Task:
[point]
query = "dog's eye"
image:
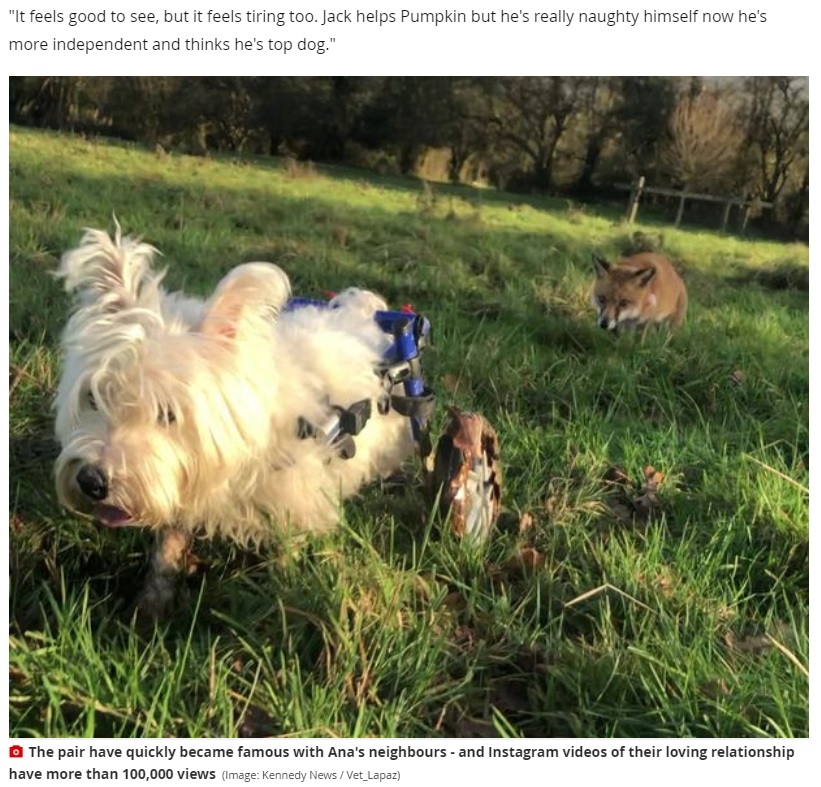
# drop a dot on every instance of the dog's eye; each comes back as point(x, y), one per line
point(92, 402)
point(624, 303)
point(166, 417)
point(602, 300)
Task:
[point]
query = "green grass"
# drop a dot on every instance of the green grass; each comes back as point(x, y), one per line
point(580, 617)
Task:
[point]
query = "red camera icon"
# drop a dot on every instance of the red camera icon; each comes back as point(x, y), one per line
point(15, 751)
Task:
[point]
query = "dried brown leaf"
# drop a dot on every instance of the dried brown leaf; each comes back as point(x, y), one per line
point(652, 478)
point(17, 522)
point(527, 561)
point(666, 581)
point(16, 675)
point(648, 503)
point(713, 689)
point(525, 522)
point(454, 601)
point(751, 644)
point(615, 475)
point(464, 636)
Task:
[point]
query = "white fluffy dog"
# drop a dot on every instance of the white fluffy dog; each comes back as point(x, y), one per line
point(186, 415)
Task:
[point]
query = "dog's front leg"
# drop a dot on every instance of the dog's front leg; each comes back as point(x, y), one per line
point(168, 561)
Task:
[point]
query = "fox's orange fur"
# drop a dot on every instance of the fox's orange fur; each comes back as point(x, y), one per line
point(638, 292)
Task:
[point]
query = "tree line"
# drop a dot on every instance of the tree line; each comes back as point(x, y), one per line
point(578, 136)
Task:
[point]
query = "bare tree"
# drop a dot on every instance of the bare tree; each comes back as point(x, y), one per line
point(531, 114)
point(49, 101)
point(778, 132)
point(704, 139)
point(601, 100)
point(141, 106)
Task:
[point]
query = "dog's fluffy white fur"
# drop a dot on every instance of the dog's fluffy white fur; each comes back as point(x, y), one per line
point(182, 414)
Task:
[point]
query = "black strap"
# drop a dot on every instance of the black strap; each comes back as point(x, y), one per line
point(415, 406)
point(350, 422)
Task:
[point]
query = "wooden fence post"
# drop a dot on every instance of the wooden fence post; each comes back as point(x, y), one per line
point(635, 197)
point(680, 214)
point(746, 219)
point(748, 208)
point(725, 219)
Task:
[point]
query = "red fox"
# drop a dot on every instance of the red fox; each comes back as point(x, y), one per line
point(638, 292)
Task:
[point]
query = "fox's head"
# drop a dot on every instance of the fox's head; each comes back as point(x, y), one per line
point(621, 294)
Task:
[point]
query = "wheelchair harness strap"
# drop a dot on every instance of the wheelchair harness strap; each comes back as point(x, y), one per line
point(401, 366)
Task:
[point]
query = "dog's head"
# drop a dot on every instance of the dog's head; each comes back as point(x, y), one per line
point(160, 395)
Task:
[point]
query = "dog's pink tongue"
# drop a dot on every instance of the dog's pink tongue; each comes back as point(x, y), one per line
point(111, 516)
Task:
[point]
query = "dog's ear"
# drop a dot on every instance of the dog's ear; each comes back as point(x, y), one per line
point(111, 272)
point(251, 292)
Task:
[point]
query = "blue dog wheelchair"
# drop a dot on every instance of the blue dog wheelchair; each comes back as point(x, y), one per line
point(464, 474)
point(402, 380)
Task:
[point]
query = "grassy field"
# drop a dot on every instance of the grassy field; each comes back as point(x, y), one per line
point(606, 604)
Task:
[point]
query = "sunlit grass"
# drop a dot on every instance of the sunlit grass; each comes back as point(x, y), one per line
point(581, 616)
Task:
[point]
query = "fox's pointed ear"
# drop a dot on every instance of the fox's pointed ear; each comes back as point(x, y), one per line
point(601, 266)
point(645, 276)
point(252, 294)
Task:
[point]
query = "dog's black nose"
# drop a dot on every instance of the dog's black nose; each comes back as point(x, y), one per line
point(92, 482)
point(604, 323)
